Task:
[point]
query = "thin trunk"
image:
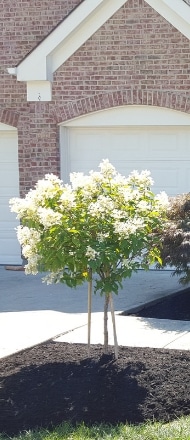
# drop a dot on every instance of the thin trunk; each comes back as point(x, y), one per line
point(89, 309)
point(106, 304)
point(114, 326)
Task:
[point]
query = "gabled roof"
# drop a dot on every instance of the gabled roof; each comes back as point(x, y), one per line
point(38, 67)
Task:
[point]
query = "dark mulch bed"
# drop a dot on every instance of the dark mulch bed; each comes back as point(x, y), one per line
point(56, 382)
point(174, 307)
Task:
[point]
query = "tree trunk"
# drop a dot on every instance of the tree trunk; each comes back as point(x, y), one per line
point(114, 326)
point(89, 309)
point(106, 304)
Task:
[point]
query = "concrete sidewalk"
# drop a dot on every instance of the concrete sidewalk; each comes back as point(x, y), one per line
point(32, 312)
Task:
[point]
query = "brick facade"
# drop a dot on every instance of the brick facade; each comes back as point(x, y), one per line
point(136, 57)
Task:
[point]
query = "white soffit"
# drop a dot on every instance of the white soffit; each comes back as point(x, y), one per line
point(75, 30)
point(131, 115)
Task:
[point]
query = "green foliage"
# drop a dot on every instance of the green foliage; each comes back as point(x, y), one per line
point(102, 223)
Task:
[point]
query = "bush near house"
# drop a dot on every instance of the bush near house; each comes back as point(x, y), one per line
point(175, 240)
point(103, 224)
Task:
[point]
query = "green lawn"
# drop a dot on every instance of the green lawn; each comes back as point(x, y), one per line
point(177, 430)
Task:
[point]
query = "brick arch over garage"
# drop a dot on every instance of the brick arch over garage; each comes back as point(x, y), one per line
point(74, 109)
point(9, 117)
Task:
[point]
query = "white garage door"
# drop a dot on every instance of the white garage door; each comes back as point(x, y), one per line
point(165, 151)
point(9, 187)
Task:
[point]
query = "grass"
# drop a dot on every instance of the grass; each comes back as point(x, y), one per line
point(176, 430)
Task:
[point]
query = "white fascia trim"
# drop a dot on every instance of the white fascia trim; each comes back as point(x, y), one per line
point(76, 29)
point(176, 12)
point(80, 25)
point(60, 44)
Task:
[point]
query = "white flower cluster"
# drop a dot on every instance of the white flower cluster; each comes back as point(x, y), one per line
point(48, 217)
point(129, 227)
point(91, 253)
point(143, 206)
point(28, 238)
point(104, 205)
point(162, 201)
point(22, 206)
point(35, 199)
point(107, 169)
point(101, 237)
point(79, 180)
point(32, 265)
point(53, 277)
point(140, 179)
point(67, 198)
point(48, 186)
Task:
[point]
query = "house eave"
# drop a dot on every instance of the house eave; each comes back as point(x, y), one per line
point(74, 31)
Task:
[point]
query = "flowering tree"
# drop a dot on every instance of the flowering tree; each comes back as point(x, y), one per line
point(102, 225)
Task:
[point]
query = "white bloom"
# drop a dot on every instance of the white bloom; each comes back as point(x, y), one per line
point(101, 237)
point(46, 188)
point(107, 169)
point(120, 181)
point(91, 253)
point(27, 236)
point(67, 198)
point(126, 193)
point(48, 217)
point(53, 179)
point(162, 200)
point(131, 226)
point(140, 179)
point(118, 214)
point(53, 277)
point(79, 180)
point(20, 206)
point(143, 205)
point(32, 266)
point(96, 176)
point(104, 205)
point(49, 185)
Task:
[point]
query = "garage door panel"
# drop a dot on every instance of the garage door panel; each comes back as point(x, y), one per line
point(98, 142)
point(5, 214)
point(8, 250)
point(7, 143)
point(165, 151)
point(9, 187)
point(7, 178)
point(163, 146)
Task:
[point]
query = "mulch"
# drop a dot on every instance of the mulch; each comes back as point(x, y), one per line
point(175, 306)
point(55, 382)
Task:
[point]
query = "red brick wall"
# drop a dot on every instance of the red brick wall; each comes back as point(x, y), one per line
point(136, 47)
point(136, 57)
point(24, 24)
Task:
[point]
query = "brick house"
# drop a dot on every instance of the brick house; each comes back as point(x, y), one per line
point(83, 80)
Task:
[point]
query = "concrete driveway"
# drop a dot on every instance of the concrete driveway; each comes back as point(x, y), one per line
point(32, 312)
